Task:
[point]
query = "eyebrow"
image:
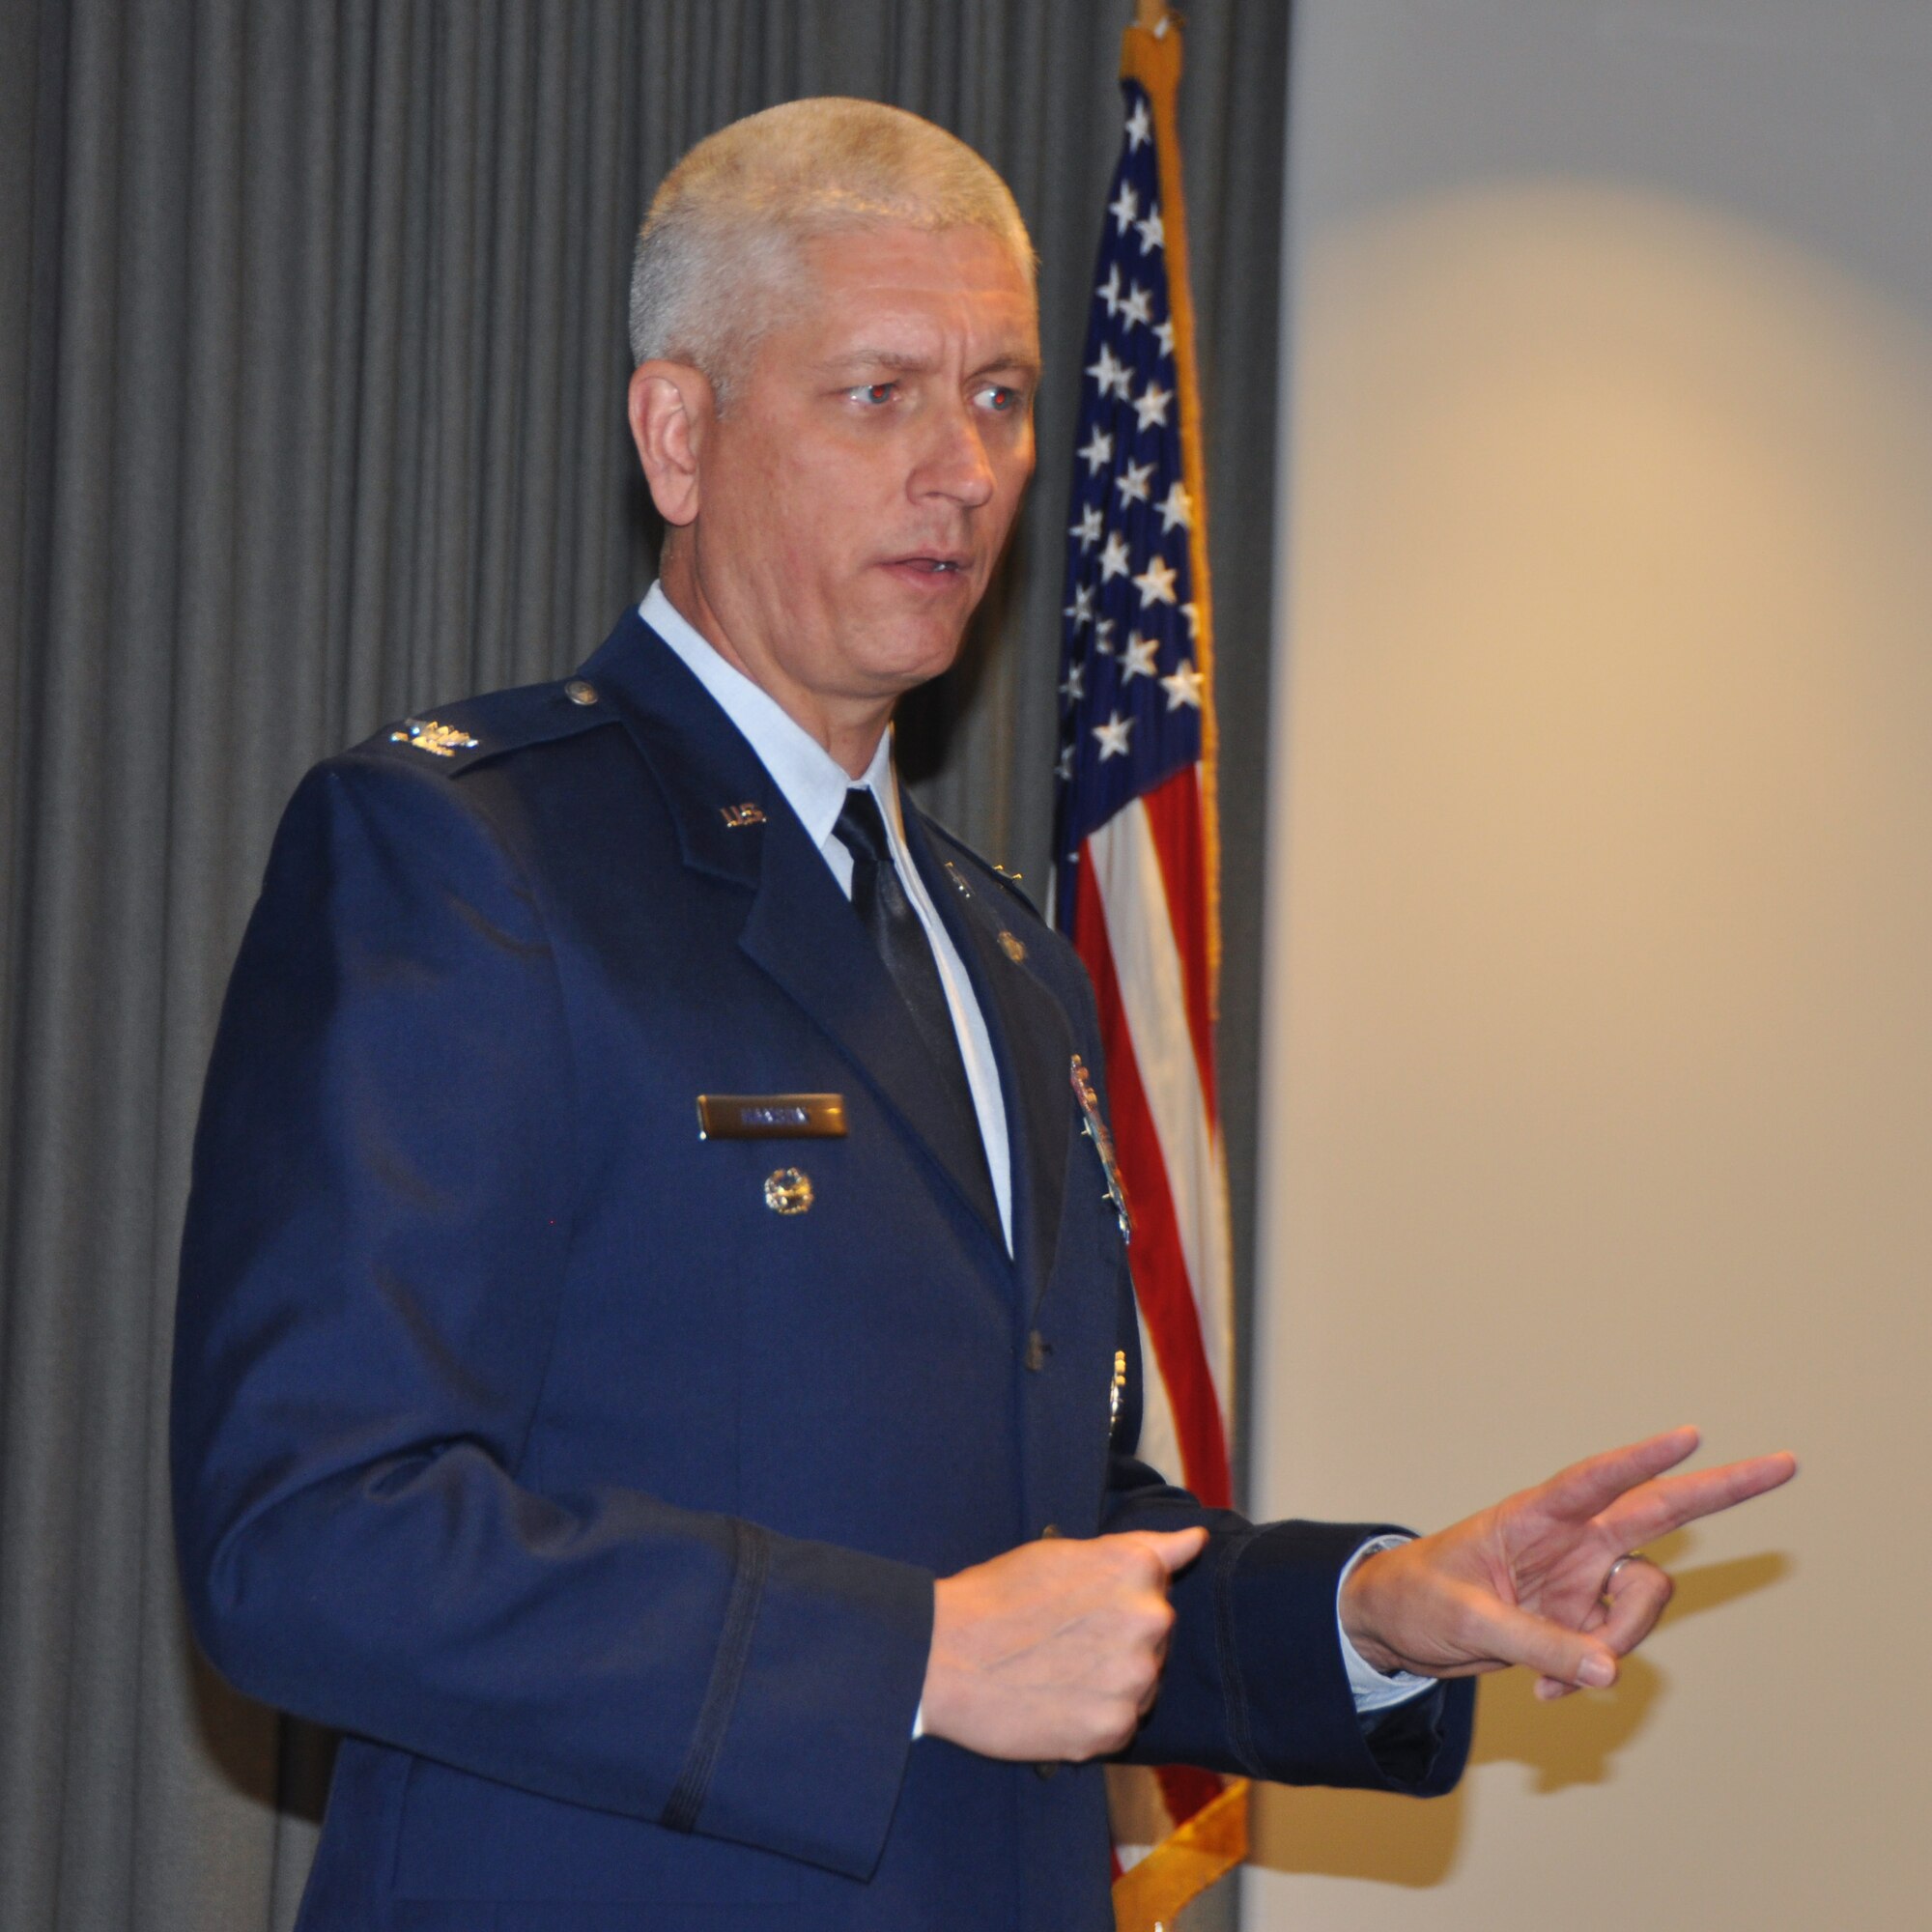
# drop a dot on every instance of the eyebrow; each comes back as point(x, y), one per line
point(881, 358)
point(908, 364)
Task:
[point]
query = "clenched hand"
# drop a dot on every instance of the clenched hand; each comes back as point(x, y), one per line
point(1054, 1650)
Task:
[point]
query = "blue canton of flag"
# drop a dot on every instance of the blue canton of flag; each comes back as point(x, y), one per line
point(1129, 686)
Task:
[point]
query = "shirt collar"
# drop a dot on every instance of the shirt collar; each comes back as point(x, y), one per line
point(814, 783)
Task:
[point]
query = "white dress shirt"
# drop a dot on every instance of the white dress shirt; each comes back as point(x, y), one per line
point(814, 784)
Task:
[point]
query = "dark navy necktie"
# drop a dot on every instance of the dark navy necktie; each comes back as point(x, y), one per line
point(879, 898)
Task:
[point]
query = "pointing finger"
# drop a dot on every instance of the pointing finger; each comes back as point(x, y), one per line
point(1657, 1508)
point(1588, 1487)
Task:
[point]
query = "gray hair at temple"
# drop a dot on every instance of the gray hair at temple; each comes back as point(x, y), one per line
point(719, 247)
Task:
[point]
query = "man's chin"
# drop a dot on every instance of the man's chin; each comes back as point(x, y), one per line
point(900, 653)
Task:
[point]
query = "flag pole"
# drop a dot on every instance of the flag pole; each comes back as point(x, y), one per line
point(1214, 1839)
point(1201, 1851)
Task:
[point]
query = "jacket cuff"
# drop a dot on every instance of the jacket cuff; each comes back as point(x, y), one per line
point(802, 1743)
point(1290, 1707)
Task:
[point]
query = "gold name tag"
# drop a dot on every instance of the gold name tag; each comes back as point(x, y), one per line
point(771, 1117)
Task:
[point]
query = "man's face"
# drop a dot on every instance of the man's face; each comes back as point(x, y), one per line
point(858, 487)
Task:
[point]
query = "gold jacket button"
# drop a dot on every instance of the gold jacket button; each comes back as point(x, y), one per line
point(581, 693)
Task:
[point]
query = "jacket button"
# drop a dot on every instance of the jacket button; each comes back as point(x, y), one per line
point(1049, 1532)
point(581, 693)
point(1044, 1769)
point(1036, 1352)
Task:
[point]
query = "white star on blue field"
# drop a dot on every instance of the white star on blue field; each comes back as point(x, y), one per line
point(1130, 687)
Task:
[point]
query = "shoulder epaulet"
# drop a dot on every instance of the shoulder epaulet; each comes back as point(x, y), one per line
point(453, 737)
point(1011, 881)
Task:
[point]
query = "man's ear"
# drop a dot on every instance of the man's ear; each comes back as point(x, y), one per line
point(671, 412)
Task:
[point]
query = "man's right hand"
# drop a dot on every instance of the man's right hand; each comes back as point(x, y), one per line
point(1053, 1650)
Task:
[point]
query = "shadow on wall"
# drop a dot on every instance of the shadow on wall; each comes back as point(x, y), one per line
point(1576, 1742)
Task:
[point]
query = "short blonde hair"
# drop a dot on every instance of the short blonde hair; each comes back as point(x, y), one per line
point(720, 239)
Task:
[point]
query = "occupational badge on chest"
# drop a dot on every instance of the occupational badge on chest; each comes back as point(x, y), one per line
point(1094, 1126)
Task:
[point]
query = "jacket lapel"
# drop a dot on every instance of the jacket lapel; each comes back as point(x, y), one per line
point(802, 930)
point(799, 928)
point(1032, 1044)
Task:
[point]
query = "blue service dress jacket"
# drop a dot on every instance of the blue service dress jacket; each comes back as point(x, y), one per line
point(519, 1436)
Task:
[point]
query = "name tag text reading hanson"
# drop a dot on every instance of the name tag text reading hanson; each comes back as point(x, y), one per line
point(771, 1117)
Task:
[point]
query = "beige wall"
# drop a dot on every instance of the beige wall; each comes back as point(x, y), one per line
point(1599, 1071)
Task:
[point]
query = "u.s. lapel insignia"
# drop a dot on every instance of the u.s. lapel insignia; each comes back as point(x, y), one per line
point(738, 817)
point(426, 734)
point(1094, 1127)
point(1012, 946)
point(1117, 1391)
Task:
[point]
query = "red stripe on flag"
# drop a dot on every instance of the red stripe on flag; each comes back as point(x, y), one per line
point(1161, 1263)
point(1185, 1790)
point(1173, 814)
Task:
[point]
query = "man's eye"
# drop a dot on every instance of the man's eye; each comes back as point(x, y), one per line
point(1003, 398)
point(874, 395)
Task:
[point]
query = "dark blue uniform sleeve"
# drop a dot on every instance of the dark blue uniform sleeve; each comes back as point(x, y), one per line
point(1255, 1685)
point(375, 1249)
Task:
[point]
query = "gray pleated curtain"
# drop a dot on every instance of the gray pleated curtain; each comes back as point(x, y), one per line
point(311, 413)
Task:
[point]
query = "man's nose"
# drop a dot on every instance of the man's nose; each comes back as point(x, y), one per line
point(955, 464)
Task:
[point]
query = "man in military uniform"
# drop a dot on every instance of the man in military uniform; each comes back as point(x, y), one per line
point(656, 1360)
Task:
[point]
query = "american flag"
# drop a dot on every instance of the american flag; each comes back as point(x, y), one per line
point(1133, 847)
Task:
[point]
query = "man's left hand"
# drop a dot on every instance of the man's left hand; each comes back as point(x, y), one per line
point(1536, 1580)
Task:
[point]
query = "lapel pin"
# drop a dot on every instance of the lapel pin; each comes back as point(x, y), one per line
point(1012, 947)
point(788, 1191)
point(738, 817)
point(1118, 1390)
